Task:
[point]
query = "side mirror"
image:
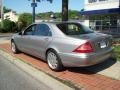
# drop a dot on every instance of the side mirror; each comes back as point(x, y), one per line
point(20, 33)
point(16, 31)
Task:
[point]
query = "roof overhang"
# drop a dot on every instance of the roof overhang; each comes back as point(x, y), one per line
point(102, 11)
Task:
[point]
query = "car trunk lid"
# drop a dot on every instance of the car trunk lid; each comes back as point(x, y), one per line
point(100, 42)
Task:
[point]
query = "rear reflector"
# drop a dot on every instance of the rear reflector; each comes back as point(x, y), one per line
point(84, 48)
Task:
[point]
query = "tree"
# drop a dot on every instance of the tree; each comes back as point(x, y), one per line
point(6, 9)
point(45, 15)
point(64, 9)
point(73, 14)
point(34, 4)
point(24, 20)
point(8, 26)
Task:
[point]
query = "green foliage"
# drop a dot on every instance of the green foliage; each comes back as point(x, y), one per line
point(46, 0)
point(73, 14)
point(7, 26)
point(6, 10)
point(24, 20)
point(58, 15)
point(117, 52)
point(50, 1)
point(45, 15)
point(82, 9)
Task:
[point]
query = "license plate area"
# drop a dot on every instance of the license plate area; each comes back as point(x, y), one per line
point(103, 44)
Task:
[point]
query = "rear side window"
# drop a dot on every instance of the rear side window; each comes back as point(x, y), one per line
point(42, 30)
point(73, 29)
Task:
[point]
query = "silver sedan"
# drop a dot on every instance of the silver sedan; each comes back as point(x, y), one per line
point(63, 44)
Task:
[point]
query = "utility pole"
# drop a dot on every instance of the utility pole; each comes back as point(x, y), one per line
point(65, 10)
point(119, 3)
point(2, 12)
point(33, 5)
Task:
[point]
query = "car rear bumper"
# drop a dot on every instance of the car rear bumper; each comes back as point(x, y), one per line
point(78, 60)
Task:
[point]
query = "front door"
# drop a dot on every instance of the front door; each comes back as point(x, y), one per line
point(42, 37)
point(25, 41)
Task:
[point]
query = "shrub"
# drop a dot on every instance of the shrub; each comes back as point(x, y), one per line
point(7, 26)
point(24, 20)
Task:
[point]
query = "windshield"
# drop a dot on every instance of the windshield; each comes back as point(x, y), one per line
point(74, 29)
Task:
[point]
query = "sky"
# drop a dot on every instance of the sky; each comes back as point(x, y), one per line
point(21, 6)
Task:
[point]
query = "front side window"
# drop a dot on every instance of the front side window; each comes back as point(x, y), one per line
point(42, 30)
point(29, 30)
point(73, 29)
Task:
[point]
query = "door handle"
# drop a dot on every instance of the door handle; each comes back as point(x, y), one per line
point(46, 39)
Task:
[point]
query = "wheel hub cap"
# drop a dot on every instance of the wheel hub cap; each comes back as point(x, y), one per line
point(52, 60)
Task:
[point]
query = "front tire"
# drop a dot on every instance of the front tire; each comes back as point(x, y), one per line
point(54, 61)
point(14, 47)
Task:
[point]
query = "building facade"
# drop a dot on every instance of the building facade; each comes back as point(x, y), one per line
point(12, 15)
point(103, 15)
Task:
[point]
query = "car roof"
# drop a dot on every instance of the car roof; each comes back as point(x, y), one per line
point(57, 22)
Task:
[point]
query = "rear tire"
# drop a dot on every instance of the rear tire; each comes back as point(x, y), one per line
point(54, 61)
point(14, 47)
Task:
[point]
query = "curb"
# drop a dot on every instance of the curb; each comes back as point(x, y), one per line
point(19, 63)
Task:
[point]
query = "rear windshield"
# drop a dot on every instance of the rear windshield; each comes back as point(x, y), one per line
point(74, 29)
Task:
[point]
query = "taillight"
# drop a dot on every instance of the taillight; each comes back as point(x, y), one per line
point(84, 48)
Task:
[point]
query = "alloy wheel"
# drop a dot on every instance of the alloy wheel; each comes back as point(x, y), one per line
point(52, 60)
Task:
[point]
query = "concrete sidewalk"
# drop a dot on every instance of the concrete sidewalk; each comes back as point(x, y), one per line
point(109, 68)
point(6, 34)
point(86, 78)
point(113, 71)
point(5, 37)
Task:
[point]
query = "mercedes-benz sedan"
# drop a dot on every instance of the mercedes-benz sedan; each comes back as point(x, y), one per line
point(63, 44)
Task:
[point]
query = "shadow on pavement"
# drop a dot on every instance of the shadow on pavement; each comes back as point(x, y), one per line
point(95, 68)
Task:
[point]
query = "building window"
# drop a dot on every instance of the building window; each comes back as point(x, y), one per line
point(92, 1)
point(109, 24)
